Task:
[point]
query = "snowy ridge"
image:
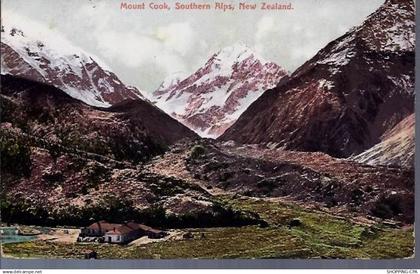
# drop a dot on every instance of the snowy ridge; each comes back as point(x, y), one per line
point(379, 33)
point(54, 60)
point(345, 97)
point(396, 33)
point(212, 98)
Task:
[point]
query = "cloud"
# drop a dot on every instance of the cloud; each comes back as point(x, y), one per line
point(144, 47)
point(34, 30)
point(178, 37)
point(140, 46)
point(264, 27)
point(46, 33)
point(134, 50)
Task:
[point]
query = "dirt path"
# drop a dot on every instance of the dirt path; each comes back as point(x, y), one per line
point(173, 236)
point(62, 235)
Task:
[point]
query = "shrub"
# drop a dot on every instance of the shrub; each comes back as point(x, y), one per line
point(197, 151)
point(15, 156)
point(387, 207)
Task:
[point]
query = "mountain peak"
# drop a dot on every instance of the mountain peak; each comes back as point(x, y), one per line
point(225, 58)
point(235, 52)
point(405, 2)
point(391, 27)
point(48, 41)
point(48, 57)
point(212, 98)
point(343, 99)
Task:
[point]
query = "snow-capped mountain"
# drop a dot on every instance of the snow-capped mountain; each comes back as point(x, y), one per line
point(170, 82)
point(57, 62)
point(211, 99)
point(347, 96)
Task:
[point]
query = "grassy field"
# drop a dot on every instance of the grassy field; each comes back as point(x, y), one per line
point(318, 236)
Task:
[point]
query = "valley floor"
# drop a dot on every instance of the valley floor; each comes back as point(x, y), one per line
point(317, 234)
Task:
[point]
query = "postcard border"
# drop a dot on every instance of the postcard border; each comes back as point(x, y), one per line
point(412, 263)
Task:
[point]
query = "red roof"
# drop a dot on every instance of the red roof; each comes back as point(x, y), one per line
point(123, 229)
point(118, 229)
point(103, 226)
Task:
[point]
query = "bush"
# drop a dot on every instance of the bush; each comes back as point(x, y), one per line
point(387, 207)
point(197, 151)
point(15, 156)
point(116, 210)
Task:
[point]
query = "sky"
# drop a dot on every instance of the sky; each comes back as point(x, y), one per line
point(143, 47)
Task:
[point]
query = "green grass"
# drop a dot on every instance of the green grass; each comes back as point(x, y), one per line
point(332, 237)
point(320, 236)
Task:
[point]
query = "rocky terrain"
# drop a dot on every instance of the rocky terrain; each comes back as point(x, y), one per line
point(211, 99)
point(342, 186)
point(64, 162)
point(344, 99)
point(397, 147)
point(233, 201)
point(67, 162)
point(130, 131)
point(57, 62)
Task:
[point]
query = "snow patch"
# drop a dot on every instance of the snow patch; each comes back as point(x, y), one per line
point(58, 62)
point(325, 84)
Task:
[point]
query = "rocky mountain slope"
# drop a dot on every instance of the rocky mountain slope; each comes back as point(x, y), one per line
point(132, 130)
point(397, 147)
point(56, 62)
point(211, 99)
point(347, 96)
point(313, 179)
point(64, 162)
